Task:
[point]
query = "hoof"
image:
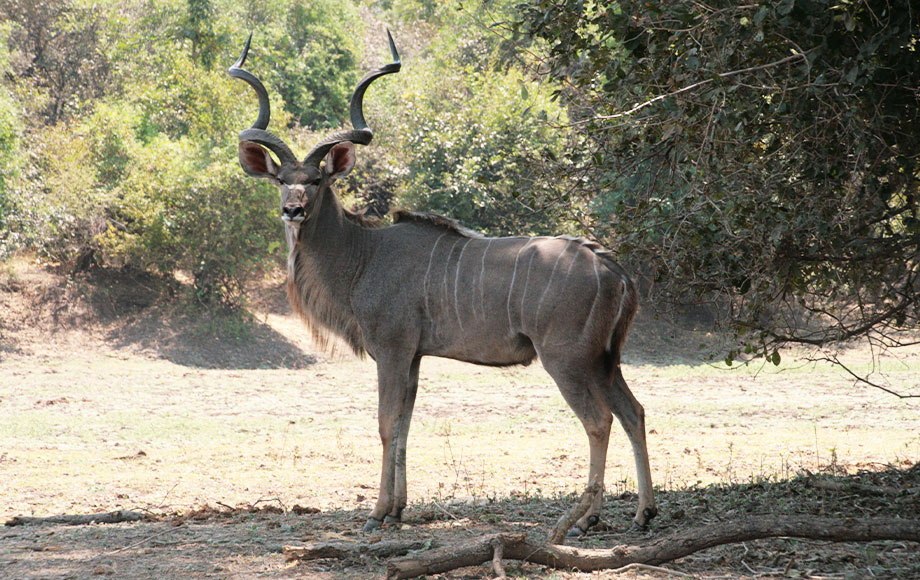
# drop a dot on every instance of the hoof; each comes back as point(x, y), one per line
point(576, 530)
point(647, 514)
point(372, 524)
point(388, 520)
point(636, 528)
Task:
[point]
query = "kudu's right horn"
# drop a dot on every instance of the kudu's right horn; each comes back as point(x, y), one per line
point(257, 132)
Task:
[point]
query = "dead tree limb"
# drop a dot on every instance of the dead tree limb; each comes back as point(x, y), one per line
point(115, 517)
point(517, 546)
point(854, 487)
point(342, 550)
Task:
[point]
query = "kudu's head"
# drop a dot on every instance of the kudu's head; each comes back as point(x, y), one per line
point(301, 182)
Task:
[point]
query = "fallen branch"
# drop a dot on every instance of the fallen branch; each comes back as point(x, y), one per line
point(855, 487)
point(341, 550)
point(650, 568)
point(115, 517)
point(517, 546)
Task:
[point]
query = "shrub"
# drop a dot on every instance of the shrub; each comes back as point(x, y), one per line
point(470, 144)
point(189, 208)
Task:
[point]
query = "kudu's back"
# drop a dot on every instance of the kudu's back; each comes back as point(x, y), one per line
point(502, 301)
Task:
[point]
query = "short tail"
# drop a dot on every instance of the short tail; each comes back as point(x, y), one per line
point(626, 312)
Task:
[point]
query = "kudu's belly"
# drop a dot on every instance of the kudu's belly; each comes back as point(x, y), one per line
point(483, 349)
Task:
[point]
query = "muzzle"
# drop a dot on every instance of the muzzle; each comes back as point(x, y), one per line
point(293, 213)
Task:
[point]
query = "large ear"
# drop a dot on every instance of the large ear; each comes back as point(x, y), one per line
point(340, 160)
point(257, 161)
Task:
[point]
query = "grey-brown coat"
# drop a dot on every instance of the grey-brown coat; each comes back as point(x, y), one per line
point(425, 286)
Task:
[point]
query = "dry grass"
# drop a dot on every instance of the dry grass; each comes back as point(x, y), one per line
point(102, 412)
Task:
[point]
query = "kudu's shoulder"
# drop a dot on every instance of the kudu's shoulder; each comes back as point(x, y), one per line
point(433, 220)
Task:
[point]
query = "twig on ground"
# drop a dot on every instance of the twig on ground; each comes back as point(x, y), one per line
point(134, 545)
point(115, 517)
point(650, 568)
point(443, 509)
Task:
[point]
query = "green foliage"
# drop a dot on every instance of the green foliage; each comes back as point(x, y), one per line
point(310, 57)
point(56, 48)
point(471, 142)
point(61, 204)
point(759, 158)
point(199, 30)
point(473, 161)
point(146, 178)
point(201, 216)
point(10, 156)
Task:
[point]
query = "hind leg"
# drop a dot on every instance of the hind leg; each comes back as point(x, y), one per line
point(632, 416)
point(594, 391)
point(584, 398)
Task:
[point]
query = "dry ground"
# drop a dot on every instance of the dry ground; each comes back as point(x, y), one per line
point(218, 428)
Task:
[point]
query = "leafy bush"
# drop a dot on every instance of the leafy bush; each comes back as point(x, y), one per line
point(470, 144)
point(761, 158)
point(307, 54)
point(201, 215)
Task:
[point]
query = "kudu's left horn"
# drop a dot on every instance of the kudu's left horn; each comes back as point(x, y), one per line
point(361, 134)
point(257, 132)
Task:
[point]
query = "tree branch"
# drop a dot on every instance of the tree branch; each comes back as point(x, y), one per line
point(518, 546)
point(81, 519)
point(687, 88)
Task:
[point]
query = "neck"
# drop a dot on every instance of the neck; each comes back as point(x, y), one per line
point(326, 254)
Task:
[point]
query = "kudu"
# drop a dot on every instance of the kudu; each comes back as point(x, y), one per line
point(426, 286)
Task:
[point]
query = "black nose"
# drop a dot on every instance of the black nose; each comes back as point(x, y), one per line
point(291, 211)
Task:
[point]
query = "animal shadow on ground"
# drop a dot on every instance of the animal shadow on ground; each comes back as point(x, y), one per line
point(250, 538)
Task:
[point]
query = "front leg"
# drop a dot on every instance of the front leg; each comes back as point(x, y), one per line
point(397, 383)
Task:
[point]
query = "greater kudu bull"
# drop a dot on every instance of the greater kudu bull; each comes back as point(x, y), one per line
point(426, 286)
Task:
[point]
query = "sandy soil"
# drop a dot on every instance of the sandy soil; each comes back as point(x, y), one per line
point(217, 427)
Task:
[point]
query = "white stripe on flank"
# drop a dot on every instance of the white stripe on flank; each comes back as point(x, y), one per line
point(482, 272)
point(536, 318)
point(511, 287)
point(526, 284)
point(425, 286)
point(457, 285)
point(572, 263)
point(597, 295)
point(446, 294)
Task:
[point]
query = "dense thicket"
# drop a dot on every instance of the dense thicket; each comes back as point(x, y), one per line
point(118, 127)
point(758, 157)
